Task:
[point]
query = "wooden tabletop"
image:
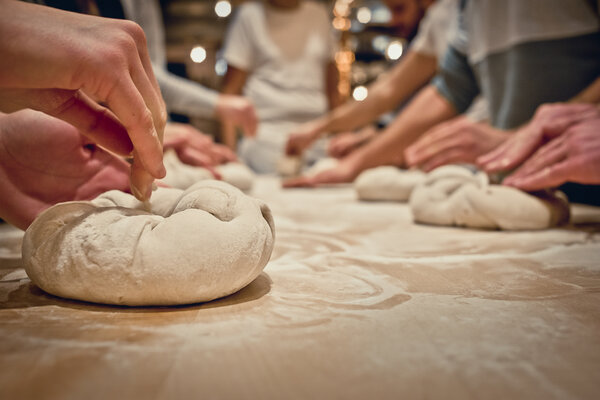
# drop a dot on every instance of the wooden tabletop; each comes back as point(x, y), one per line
point(357, 302)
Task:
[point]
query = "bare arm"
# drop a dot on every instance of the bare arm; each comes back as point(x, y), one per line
point(233, 83)
point(427, 109)
point(332, 78)
point(591, 94)
point(384, 94)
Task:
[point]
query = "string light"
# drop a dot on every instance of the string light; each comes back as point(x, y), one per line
point(223, 8)
point(360, 93)
point(198, 54)
point(394, 50)
point(363, 15)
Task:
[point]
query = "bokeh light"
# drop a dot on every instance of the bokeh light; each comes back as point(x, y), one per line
point(198, 54)
point(360, 93)
point(223, 8)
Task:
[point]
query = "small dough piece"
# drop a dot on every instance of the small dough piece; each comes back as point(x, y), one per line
point(194, 246)
point(289, 166)
point(323, 164)
point(387, 183)
point(454, 195)
point(182, 176)
point(237, 174)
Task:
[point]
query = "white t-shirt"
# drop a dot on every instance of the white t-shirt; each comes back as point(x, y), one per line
point(436, 28)
point(283, 86)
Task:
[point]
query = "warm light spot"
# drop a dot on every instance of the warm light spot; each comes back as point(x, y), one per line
point(360, 93)
point(223, 8)
point(394, 50)
point(198, 54)
point(363, 15)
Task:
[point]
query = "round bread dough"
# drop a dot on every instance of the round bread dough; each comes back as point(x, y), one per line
point(454, 195)
point(182, 176)
point(323, 164)
point(237, 174)
point(387, 183)
point(196, 245)
point(289, 166)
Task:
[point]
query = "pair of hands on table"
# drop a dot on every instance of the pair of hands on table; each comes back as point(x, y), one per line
point(560, 144)
point(94, 73)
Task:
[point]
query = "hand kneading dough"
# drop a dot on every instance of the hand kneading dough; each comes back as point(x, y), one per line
point(387, 183)
point(182, 176)
point(453, 195)
point(196, 245)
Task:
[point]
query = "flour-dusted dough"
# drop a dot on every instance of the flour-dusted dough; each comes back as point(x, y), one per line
point(289, 166)
point(454, 195)
point(323, 164)
point(237, 174)
point(387, 183)
point(182, 176)
point(196, 245)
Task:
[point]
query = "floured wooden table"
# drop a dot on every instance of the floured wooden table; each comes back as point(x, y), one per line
point(356, 303)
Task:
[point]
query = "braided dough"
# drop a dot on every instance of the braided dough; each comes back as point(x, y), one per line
point(387, 183)
point(195, 245)
point(454, 195)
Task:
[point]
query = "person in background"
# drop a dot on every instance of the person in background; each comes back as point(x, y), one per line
point(429, 25)
point(280, 56)
point(182, 95)
point(516, 70)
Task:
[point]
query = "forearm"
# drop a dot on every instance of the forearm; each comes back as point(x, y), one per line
point(386, 93)
point(591, 94)
point(427, 109)
point(184, 96)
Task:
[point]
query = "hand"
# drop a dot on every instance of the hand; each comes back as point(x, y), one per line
point(301, 139)
point(459, 140)
point(549, 121)
point(44, 160)
point(343, 144)
point(573, 156)
point(194, 147)
point(62, 63)
point(344, 172)
point(239, 111)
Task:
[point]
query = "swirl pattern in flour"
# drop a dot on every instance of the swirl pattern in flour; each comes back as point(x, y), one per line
point(195, 245)
point(454, 195)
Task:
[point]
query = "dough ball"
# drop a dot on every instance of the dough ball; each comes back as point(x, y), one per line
point(180, 175)
point(453, 195)
point(237, 174)
point(196, 245)
point(387, 183)
point(289, 166)
point(323, 164)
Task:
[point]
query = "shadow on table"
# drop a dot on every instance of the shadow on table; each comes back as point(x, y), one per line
point(29, 295)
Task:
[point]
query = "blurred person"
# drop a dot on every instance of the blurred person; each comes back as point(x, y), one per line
point(515, 69)
point(280, 56)
point(182, 95)
point(435, 20)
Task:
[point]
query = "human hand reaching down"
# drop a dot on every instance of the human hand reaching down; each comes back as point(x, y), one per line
point(239, 111)
point(44, 161)
point(459, 140)
point(549, 121)
point(574, 156)
point(94, 73)
point(195, 148)
point(345, 171)
point(343, 144)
